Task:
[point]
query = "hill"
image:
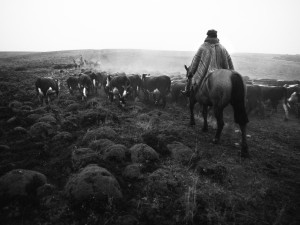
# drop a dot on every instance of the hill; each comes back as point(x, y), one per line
point(292, 58)
point(156, 62)
point(13, 54)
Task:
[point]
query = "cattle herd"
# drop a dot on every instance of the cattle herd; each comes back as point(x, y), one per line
point(262, 94)
point(269, 93)
point(118, 87)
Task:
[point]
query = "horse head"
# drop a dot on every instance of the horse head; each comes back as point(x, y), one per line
point(188, 74)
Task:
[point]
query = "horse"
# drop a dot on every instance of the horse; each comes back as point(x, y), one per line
point(217, 90)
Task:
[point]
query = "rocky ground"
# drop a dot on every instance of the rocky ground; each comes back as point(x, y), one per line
point(75, 162)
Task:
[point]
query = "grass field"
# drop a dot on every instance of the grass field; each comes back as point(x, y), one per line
point(184, 179)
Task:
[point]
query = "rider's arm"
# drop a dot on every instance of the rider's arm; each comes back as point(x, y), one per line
point(196, 60)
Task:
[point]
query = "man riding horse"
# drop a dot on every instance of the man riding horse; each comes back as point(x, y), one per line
point(213, 82)
point(210, 56)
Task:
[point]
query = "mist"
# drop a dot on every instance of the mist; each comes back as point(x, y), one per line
point(145, 61)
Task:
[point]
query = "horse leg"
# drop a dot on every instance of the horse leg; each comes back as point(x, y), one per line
point(244, 151)
point(192, 118)
point(204, 114)
point(220, 123)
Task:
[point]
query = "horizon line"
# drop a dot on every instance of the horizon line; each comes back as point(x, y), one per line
point(134, 49)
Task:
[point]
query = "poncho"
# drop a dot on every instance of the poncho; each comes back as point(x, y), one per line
point(210, 56)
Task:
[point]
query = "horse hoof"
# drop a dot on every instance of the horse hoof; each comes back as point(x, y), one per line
point(244, 151)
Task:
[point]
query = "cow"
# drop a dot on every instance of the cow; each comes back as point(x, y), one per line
point(136, 84)
point(176, 95)
point(94, 80)
point(156, 96)
point(45, 87)
point(287, 82)
point(121, 83)
point(294, 103)
point(294, 98)
point(101, 78)
point(292, 88)
point(72, 83)
point(85, 86)
point(161, 83)
point(114, 94)
point(254, 99)
point(274, 95)
point(98, 79)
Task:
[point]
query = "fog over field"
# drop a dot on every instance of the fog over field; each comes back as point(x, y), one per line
point(156, 62)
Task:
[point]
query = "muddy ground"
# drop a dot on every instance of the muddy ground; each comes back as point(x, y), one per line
point(196, 183)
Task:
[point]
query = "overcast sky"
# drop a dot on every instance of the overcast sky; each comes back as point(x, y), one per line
point(258, 26)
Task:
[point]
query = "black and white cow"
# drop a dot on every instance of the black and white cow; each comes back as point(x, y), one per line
point(294, 103)
point(73, 84)
point(136, 84)
point(292, 88)
point(98, 79)
point(287, 82)
point(101, 78)
point(274, 95)
point(46, 87)
point(254, 103)
point(161, 83)
point(294, 98)
point(122, 84)
point(94, 80)
point(176, 92)
point(156, 95)
point(85, 86)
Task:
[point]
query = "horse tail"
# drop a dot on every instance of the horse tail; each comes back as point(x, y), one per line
point(238, 95)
